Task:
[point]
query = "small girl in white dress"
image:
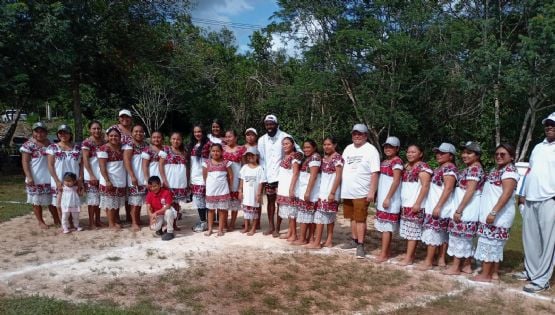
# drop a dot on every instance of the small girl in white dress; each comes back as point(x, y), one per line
point(252, 181)
point(70, 202)
point(218, 177)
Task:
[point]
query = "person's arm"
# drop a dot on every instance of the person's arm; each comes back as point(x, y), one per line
point(296, 167)
point(509, 186)
point(336, 182)
point(204, 172)
point(26, 164)
point(59, 199)
point(262, 153)
point(87, 165)
point(471, 186)
point(240, 190)
point(102, 164)
point(162, 169)
point(229, 176)
point(448, 188)
point(81, 179)
point(145, 165)
point(397, 174)
point(373, 187)
point(127, 157)
point(425, 179)
point(52, 171)
point(311, 181)
point(168, 204)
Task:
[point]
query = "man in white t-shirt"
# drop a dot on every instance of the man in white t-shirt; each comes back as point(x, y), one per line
point(271, 154)
point(538, 219)
point(359, 184)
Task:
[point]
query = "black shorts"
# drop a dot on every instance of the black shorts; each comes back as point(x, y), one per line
point(271, 188)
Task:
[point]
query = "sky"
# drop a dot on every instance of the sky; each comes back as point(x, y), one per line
point(208, 13)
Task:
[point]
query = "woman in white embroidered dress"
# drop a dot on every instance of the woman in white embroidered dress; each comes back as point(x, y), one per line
point(136, 188)
point(91, 170)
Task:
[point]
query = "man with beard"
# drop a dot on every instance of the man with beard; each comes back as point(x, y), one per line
point(271, 154)
point(538, 219)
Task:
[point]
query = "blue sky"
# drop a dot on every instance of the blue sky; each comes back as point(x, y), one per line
point(253, 12)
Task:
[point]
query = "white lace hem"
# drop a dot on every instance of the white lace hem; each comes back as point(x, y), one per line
point(434, 238)
point(460, 247)
point(410, 230)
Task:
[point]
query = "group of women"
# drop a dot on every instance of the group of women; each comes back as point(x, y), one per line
point(444, 208)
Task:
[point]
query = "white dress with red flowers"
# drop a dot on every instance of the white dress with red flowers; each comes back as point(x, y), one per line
point(217, 187)
point(411, 223)
point(435, 229)
point(462, 233)
point(65, 161)
point(93, 192)
point(112, 197)
point(175, 167)
point(305, 209)
point(387, 220)
point(153, 158)
point(198, 187)
point(287, 204)
point(40, 193)
point(492, 237)
point(136, 194)
point(235, 158)
point(326, 211)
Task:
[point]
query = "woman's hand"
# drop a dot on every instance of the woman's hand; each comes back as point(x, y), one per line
point(416, 208)
point(435, 212)
point(490, 219)
point(457, 217)
point(386, 203)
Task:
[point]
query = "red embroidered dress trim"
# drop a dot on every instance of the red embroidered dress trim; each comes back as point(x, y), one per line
point(175, 158)
point(328, 165)
point(408, 215)
point(326, 206)
point(464, 229)
point(235, 156)
point(386, 167)
point(496, 175)
point(437, 177)
point(383, 216)
point(439, 224)
point(475, 172)
point(493, 232)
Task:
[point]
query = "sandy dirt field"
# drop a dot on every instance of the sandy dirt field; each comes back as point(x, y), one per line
point(236, 273)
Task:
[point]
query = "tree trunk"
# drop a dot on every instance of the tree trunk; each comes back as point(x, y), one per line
point(519, 156)
point(77, 115)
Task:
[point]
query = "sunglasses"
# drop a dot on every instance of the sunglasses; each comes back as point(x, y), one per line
point(501, 154)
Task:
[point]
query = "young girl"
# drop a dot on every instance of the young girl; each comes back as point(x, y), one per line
point(37, 178)
point(218, 177)
point(415, 187)
point(497, 212)
point(388, 204)
point(70, 202)
point(234, 154)
point(136, 188)
point(91, 170)
point(173, 170)
point(199, 149)
point(328, 195)
point(463, 224)
point(151, 155)
point(252, 181)
point(113, 179)
point(287, 179)
point(439, 206)
point(307, 191)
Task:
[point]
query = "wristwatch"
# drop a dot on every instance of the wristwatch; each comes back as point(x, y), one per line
point(493, 213)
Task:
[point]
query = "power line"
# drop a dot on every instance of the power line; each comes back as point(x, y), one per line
point(236, 25)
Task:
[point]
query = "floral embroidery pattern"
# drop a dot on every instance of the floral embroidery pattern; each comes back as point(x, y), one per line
point(113, 156)
point(448, 168)
point(327, 206)
point(408, 215)
point(313, 158)
point(472, 172)
point(328, 166)
point(412, 174)
point(439, 224)
point(73, 154)
point(386, 167)
point(287, 162)
point(154, 155)
point(89, 144)
point(383, 216)
point(495, 176)
point(205, 153)
point(466, 229)
point(175, 158)
point(493, 232)
point(34, 149)
point(235, 156)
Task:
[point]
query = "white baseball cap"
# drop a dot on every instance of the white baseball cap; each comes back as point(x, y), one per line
point(445, 148)
point(124, 112)
point(550, 117)
point(360, 128)
point(271, 118)
point(251, 130)
point(392, 141)
point(252, 150)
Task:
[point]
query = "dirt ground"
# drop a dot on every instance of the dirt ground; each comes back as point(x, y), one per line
point(236, 273)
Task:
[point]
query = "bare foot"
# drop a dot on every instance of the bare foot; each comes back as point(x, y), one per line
point(91, 227)
point(467, 270)
point(115, 227)
point(268, 232)
point(381, 259)
point(251, 233)
point(424, 267)
point(292, 238)
point(313, 246)
point(220, 233)
point(99, 224)
point(441, 263)
point(230, 228)
point(405, 262)
point(244, 231)
point(480, 278)
point(299, 242)
point(207, 233)
point(495, 276)
point(284, 236)
point(43, 226)
point(275, 234)
point(135, 228)
point(326, 244)
point(451, 272)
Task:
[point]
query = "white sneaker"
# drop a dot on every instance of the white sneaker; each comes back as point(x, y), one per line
point(79, 229)
point(67, 231)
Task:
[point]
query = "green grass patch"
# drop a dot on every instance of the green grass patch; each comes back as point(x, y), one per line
point(47, 306)
point(13, 197)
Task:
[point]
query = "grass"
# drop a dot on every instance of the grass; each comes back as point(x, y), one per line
point(48, 306)
point(13, 197)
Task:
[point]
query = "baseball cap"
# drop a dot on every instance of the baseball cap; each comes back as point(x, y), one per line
point(252, 130)
point(271, 118)
point(39, 125)
point(445, 148)
point(360, 128)
point(252, 150)
point(65, 128)
point(124, 112)
point(550, 117)
point(472, 146)
point(392, 141)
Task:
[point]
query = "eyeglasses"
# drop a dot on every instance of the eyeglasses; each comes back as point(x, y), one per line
point(500, 154)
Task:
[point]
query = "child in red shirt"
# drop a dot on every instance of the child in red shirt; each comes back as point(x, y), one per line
point(158, 205)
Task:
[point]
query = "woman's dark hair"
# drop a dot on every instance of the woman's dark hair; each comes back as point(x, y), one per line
point(232, 131)
point(312, 143)
point(219, 145)
point(509, 147)
point(92, 122)
point(333, 140)
point(292, 141)
point(182, 146)
point(70, 176)
point(419, 149)
point(113, 129)
point(154, 180)
point(219, 123)
point(193, 142)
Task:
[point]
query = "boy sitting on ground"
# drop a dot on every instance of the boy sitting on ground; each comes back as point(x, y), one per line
point(158, 205)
